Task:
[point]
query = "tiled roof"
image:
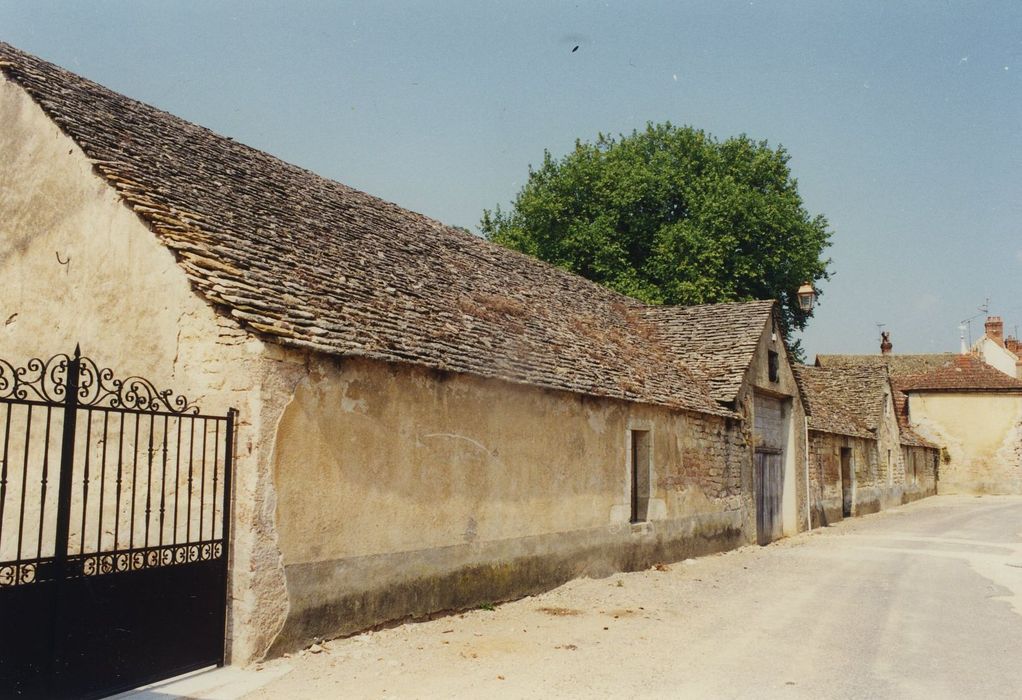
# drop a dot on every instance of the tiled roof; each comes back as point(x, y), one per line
point(846, 400)
point(962, 373)
point(718, 340)
point(937, 372)
point(933, 372)
point(314, 264)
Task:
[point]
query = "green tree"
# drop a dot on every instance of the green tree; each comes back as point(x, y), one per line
point(671, 215)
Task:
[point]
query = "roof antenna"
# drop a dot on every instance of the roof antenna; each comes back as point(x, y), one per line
point(966, 324)
point(880, 331)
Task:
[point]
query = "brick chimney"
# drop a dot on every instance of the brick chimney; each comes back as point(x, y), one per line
point(995, 329)
point(885, 343)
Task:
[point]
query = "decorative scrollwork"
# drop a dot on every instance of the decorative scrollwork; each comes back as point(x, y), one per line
point(48, 380)
point(101, 563)
point(17, 574)
point(38, 380)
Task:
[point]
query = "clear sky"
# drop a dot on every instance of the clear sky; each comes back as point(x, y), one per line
point(903, 119)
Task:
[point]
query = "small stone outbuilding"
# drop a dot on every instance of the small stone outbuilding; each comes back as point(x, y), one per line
point(861, 459)
point(738, 348)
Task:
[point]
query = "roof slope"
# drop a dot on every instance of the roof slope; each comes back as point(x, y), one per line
point(719, 340)
point(962, 373)
point(311, 263)
point(936, 372)
point(933, 372)
point(897, 364)
point(845, 400)
point(908, 435)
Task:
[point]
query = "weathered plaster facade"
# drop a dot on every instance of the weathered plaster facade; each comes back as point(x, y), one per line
point(405, 491)
point(785, 427)
point(981, 433)
point(121, 296)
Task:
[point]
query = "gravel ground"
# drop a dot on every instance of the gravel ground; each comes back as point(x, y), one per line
point(921, 601)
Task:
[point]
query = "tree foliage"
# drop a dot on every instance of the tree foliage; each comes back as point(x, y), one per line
point(670, 215)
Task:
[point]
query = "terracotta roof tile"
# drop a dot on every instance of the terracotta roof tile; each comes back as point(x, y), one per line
point(962, 373)
point(314, 264)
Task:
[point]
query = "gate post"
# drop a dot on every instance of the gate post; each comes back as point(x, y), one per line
point(232, 415)
point(67, 450)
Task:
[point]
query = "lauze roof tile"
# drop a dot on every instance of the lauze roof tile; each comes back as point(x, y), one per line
point(310, 263)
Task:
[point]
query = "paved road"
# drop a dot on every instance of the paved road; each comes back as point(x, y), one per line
point(923, 601)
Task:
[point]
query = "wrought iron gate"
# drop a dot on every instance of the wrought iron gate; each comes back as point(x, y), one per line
point(114, 530)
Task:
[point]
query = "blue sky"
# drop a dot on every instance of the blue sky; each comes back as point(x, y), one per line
point(903, 119)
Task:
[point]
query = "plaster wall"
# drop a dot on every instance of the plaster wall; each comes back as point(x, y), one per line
point(77, 266)
point(997, 356)
point(982, 433)
point(404, 491)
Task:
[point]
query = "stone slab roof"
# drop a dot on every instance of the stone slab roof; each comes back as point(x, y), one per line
point(897, 364)
point(845, 401)
point(310, 263)
point(718, 340)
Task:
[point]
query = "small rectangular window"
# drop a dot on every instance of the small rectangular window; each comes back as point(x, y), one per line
point(773, 364)
point(640, 482)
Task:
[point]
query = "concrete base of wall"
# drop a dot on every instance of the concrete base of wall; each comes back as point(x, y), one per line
point(915, 494)
point(336, 598)
point(826, 513)
point(984, 488)
point(866, 507)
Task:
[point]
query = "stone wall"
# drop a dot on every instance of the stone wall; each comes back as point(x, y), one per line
point(921, 466)
point(825, 475)
point(403, 492)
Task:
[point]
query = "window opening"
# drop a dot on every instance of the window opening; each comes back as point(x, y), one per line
point(773, 364)
point(640, 482)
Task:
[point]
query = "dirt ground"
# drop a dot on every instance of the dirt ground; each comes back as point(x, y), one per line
point(912, 602)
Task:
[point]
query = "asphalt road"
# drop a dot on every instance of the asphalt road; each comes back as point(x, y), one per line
point(922, 601)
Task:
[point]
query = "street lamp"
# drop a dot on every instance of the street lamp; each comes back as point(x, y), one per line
point(806, 297)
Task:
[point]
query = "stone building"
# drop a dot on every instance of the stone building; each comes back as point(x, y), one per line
point(738, 347)
point(964, 406)
point(861, 458)
point(426, 421)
